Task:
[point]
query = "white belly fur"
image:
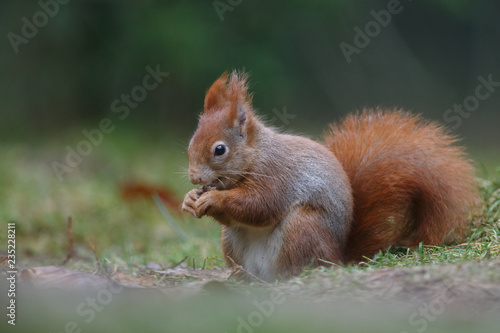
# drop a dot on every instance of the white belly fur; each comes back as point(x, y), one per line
point(257, 249)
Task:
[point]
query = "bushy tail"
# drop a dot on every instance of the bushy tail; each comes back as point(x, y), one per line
point(410, 182)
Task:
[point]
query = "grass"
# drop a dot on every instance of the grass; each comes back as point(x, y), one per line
point(112, 235)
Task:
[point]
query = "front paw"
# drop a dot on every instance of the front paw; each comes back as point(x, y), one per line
point(205, 204)
point(189, 204)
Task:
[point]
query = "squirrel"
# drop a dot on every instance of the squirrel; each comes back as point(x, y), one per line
point(381, 178)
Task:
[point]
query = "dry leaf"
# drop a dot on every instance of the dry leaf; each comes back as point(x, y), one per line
point(3, 260)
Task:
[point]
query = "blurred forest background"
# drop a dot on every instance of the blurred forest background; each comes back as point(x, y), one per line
point(90, 52)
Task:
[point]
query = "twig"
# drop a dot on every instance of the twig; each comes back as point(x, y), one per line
point(466, 244)
point(98, 262)
point(94, 251)
point(239, 268)
point(180, 262)
point(70, 253)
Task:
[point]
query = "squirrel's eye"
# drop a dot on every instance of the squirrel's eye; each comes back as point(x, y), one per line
point(219, 150)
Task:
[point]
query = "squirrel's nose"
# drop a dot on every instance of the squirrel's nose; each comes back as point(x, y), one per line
point(194, 177)
point(195, 180)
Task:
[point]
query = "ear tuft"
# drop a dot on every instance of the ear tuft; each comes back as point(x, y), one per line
point(216, 97)
point(237, 88)
point(240, 101)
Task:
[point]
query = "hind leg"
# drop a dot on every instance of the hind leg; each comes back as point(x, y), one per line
point(307, 239)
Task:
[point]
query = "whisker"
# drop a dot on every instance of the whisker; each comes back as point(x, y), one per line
point(243, 176)
point(183, 170)
point(228, 178)
point(241, 173)
point(220, 182)
point(181, 143)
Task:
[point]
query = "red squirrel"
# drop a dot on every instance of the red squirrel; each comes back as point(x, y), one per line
point(380, 178)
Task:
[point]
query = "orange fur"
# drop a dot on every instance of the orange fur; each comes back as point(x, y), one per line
point(409, 181)
point(216, 96)
point(306, 242)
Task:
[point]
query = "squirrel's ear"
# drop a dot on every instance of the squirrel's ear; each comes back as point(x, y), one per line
point(241, 119)
point(240, 108)
point(216, 97)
